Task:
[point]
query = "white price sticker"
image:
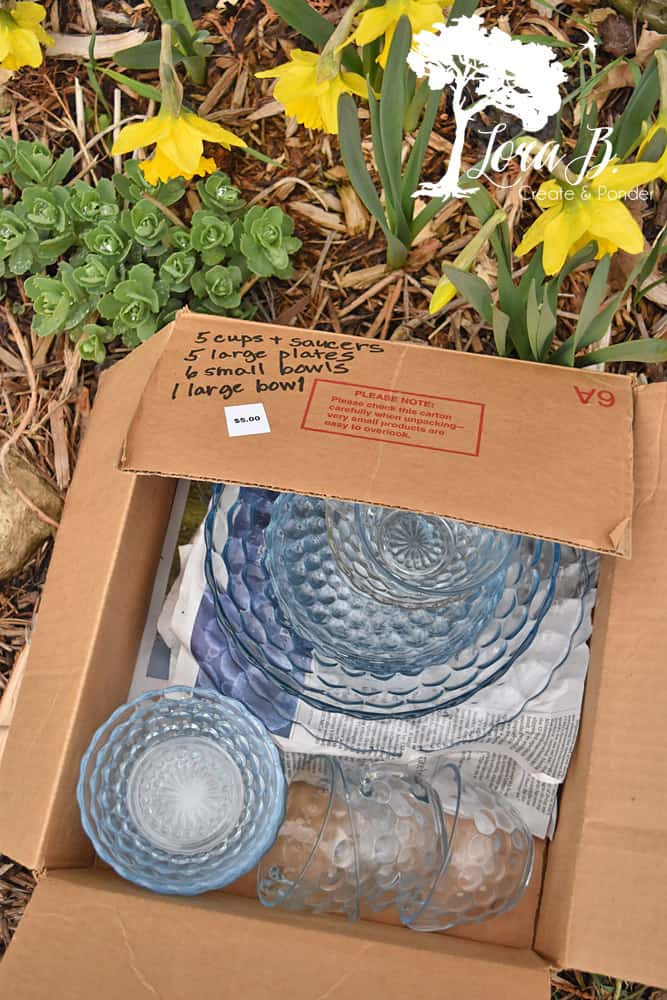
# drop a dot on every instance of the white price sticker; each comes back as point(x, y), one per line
point(250, 418)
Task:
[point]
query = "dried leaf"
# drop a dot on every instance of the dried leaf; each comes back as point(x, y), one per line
point(76, 46)
point(321, 218)
point(649, 42)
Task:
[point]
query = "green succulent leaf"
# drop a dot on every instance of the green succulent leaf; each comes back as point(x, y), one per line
point(145, 223)
point(7, 155)
point(133, 305)
point(221, 286)
point(218, 193)
point(86, 205)
point(95, 275)
point(109, 241)
point(44, 209)
point(179, 239)
point(32, 163)
point(212, 235)
point(58, 303)
point(13, 232)
point(177, 269)
point(132, 184)
point(267, 241)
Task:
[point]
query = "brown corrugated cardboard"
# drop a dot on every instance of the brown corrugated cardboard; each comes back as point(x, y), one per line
point(392, 423)
point(93, 610)
point(91, 935)
point(88, 931)
point(605, 896)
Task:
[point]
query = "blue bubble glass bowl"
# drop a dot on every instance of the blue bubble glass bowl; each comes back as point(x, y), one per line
point(361, 630)
point(417, 560)
point(250, 613)
point(181, 791)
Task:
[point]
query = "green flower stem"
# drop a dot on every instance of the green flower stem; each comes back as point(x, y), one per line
point(469, 254)
point(415, 107)
point(170, 85)
point(328, 65)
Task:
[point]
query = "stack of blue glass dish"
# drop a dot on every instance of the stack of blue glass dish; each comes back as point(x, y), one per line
point(379, 613)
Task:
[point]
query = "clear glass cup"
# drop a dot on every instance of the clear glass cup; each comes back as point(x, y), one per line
point(487, 856)
point(181, 790)
point(416, 560)
point(312, 864)
point(355, 837)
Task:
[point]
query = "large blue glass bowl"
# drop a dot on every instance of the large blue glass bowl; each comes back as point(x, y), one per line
point(181, 791)
point(249, 612)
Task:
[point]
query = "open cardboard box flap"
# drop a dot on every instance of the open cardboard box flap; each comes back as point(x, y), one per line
point(603, 907)
point(539, 449)
point(96, 936)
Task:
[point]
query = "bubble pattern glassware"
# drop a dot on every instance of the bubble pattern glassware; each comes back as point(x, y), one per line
point(326, 609)
point(416, 560)
point(355, 837)
point(312, 864)
point(181, 790)
point(488, 855)
point(251, 616)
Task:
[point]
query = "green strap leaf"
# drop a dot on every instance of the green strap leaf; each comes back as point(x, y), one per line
point(378, 152)
point(353, 158)
point(473, 289)
point(651, 350)
point(592, 301)
point(142, 89)
point(301, 16)
point(415, 162)
point(392, 106)
point(462, 8)
point(500, 324)
point(637, 111)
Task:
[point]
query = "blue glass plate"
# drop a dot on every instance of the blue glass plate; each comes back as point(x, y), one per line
point(250, 614)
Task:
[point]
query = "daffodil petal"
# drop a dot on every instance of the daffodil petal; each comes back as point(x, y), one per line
point(549, 194)
point(537, 233)
point(28, 14)
point(182, 144)
point(140, 134)
point(24, 50)
point(625, 177)
point(564, 230)
point(373, 23)
point(212, 132)
point(355, 84)
point(612, 221)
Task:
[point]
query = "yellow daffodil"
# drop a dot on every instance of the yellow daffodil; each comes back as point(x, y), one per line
point(22, 35)
point(309, 89)
point(377, 21)
point(179, 144)
point(574, 215)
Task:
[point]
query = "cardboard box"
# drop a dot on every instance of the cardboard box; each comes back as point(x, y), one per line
point(575, 456)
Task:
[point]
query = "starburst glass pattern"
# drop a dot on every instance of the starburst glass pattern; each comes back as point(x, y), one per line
point(181, 790)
